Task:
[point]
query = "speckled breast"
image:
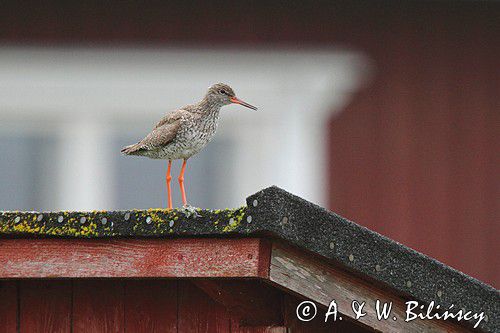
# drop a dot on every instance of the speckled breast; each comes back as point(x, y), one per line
point(194, 134)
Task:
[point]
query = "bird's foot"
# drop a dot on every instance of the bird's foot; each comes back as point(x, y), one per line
point(190, 211)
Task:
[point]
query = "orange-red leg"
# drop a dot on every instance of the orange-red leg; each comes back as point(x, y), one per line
point(181, 183)
point(169, 191)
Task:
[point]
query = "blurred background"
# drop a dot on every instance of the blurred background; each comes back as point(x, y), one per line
point(387, 112)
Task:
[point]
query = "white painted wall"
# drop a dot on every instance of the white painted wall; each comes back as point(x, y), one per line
point(86, 96)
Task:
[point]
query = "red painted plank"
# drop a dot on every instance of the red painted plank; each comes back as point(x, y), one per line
point(98, 306)
point(45, 306)
point(151, 306)
point(8, 306)
point(237, 328)
point(199, 313)
point(253, 301)
point(201, 257)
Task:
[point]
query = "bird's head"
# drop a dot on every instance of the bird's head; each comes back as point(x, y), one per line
point(224, 95)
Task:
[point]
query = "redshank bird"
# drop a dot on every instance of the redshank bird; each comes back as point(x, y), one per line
point(184, 132)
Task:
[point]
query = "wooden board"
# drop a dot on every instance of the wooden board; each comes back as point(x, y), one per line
point(314, 279)
point(253, 302)
point(98, 306)
point(72, 258)
point(151, 306)
point(197, 312)
point(8, 306)
point(45, 306)
point(236, 327)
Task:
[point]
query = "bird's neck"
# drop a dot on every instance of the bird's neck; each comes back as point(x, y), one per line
point(208, 107)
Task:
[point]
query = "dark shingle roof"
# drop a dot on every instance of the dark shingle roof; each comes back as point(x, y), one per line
point(292, 219)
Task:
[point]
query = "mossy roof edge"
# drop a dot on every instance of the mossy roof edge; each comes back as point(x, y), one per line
point(144, 223)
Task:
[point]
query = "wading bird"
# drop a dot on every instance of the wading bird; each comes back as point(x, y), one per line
point(185, 132)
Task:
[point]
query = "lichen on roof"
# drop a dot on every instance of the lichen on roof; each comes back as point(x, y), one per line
point(150, 222)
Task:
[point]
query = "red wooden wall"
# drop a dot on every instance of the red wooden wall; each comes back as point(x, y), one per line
point(59, 306)
point(414, 156)
point(125, 305)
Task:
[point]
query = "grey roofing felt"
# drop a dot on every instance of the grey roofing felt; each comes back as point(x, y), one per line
point(301, 223)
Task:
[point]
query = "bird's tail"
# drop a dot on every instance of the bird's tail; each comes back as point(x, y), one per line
point(132, 149)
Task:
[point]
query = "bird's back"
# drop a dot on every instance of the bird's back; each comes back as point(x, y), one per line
point(179, 134)
point(173, 116)
point(163, 133)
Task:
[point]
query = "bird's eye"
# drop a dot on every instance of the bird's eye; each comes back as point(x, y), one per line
point(223, 92)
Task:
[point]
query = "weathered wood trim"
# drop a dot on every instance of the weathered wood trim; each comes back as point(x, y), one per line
point(321, 282)
point(133, 258)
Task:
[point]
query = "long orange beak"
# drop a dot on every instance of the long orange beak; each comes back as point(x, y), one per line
point(239, 101)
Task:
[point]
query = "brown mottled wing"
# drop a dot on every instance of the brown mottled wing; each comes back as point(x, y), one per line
point(173, 116)
point(164, 131)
